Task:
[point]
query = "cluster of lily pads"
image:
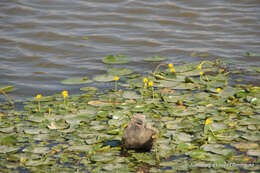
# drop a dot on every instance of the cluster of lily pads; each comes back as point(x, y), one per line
point(203, 122)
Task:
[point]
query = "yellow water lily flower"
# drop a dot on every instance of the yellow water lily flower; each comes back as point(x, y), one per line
point(38, 96)
point(208, 121)
point(150, 83)
point(172, 70)
point(218, 90)
point(170, 65)
point(145, 80)
point(199, 66)
point(116, 78)
point(201, 73)
point(65, 94)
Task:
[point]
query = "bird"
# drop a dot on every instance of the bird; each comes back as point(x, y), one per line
point(138, 135)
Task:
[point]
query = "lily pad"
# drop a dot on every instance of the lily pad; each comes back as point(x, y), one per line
point(104, 78)
point(88, 89)
point(8, 140)
point(217, 148)
point(6, 88)
point(254, 152)
point(155, 59)
point(82, 148)
point(76, 81)
point(61, 124)
point(8, 149)
point(102, 157)
point(37, 150)
point(120, 71)
point(119, 59)
point(131, 95)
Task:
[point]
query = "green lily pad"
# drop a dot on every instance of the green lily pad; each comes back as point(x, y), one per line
point(252, 136)
point(131, 95)
point(119, 59)
point(217, 148)
point(184, 137)
point(120, 71)
point(167, 84)
point(37, 150)
point(8, 140)
point(8, 149)
point(254, 152)
point(155, 59)
point(58, 125)
point(7, 129)
point(40, 162)
point(89, 89)
point(245, 145)
point(35, 131)
point(76, 81)
point(104, 78)
point(184, 86)
point(102, 157)
point(81, 148)
point(252, 54)
point(6, 88)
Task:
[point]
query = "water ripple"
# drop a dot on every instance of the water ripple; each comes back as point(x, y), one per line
point(44, 42)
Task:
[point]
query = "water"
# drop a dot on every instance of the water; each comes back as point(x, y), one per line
point(44, 42)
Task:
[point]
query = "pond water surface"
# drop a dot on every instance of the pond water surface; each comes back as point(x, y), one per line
point(45, 42)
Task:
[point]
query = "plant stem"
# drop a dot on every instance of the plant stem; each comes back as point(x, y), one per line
point(39, 106)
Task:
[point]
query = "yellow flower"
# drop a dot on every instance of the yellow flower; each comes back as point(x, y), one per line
point(218, 90)
point(116, 78)
point(199, 66)
point(208, 121)
point(145, 80)
point(65, 94)
point(201, 73)
point(170, 65)
point(150, 83)
point(172, 70)
point(38, 96)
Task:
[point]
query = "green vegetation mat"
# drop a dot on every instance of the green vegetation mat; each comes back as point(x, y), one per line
point(203, 123)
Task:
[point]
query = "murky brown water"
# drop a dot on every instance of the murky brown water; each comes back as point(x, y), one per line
point(43, 41)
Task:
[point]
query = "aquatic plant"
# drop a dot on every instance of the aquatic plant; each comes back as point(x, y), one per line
point(196, 122)
point(38, 97)
point(65, 94)
point(116, 78)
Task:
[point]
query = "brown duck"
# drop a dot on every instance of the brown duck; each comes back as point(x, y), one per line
point(138, 134)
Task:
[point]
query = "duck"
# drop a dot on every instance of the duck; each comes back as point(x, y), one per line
point(139, 135)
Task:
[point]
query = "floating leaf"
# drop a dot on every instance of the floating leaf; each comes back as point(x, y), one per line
point(6, 88)
point(76, 81)
point(37, 150)
point(88, 89)
point(8, 140)
point(119, 59)
point(254, 152)
point(217, 148)
point(82, 148)
point(35, 130)
point(155, 58)
point(102, 157)
point(131, 95)
point(61, 124)
point(252, 54)
point(252, 136)
point(120, 71)
point(8, 149)
point(245, 145)
point(104, 78)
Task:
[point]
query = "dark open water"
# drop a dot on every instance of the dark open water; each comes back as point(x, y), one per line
point(43, 41)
